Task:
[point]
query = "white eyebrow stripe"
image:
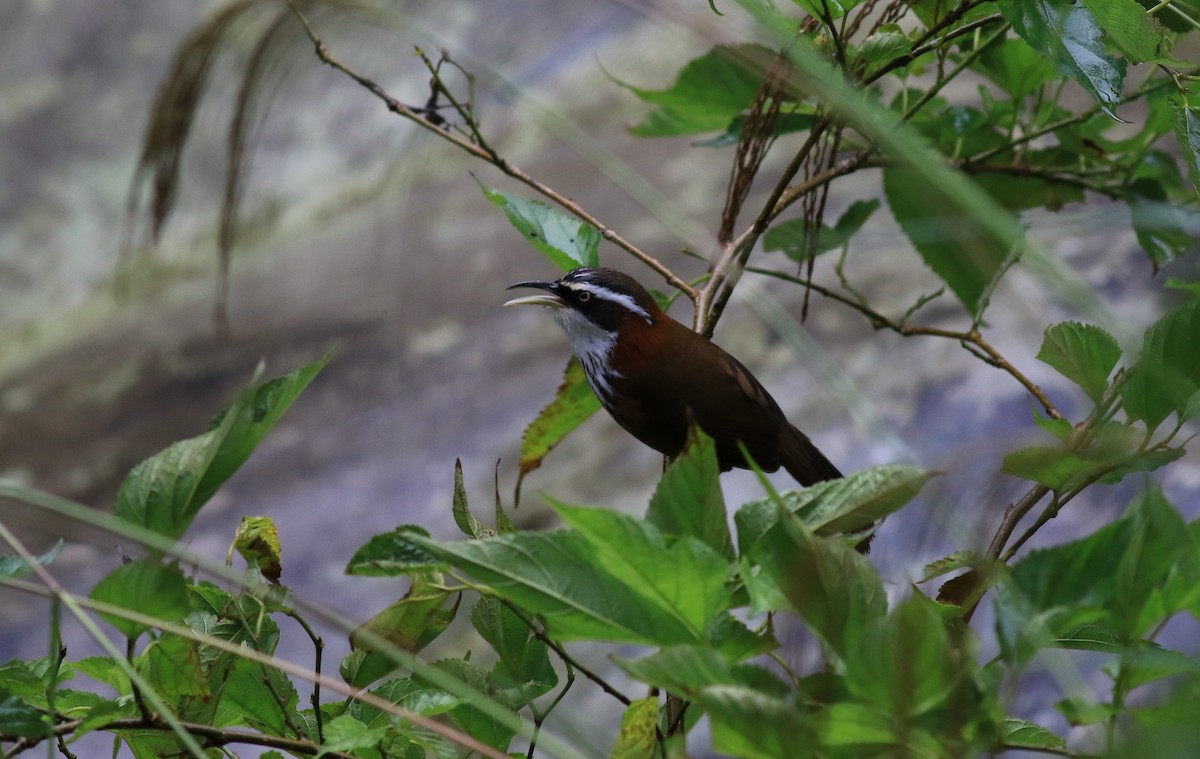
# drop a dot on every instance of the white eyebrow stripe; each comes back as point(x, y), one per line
point(600, 291)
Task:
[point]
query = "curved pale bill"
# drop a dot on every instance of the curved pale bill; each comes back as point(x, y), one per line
point(541, 299)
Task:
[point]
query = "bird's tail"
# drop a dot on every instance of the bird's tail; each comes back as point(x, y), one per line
point(802, 460)
point(808, 465)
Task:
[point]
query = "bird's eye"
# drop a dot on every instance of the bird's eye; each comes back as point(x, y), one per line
point(584, 296)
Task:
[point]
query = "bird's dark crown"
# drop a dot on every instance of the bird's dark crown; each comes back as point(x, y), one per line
point(605, 297)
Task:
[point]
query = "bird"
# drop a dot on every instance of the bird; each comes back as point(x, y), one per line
point(656, 377)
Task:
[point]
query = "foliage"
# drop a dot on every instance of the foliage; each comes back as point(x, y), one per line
point(693, 603)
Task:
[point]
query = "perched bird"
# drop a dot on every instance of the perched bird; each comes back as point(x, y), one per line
point(654, 375)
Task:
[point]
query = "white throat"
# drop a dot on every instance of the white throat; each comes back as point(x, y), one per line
point(592, 346)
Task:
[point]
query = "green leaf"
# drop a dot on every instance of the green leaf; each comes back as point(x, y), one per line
point(1060, 428)
point(736, 641)
point(1131, 29)
point(524, 660)
point(394, 553)
point(1083, 353)
point(683, 579)
point(638, 738)
point(833, 587)
point(347, 734)
point(15, 566)
point(557, 575)
point(573, 404)
point(798, 119)
point(848, 504)
point(850, 723)
point(416, 697)
point(19, 719)
point(751, 724)
point(1015, 67)
point(260, 697)
point(1168, 374)
point(1151, 663)
point(688, 670)
point(1165, 229)
point(1186, 120)
point(463, 517)
point(688, 499)
point(1019, 733)
point(414, 621)
point(147, 587)
point(708, 94)
point(904, 662)
point(881, 47)
point(104, 670)
point(173, 668)
point(1063, 595)
point(470, 719)
point(1071, 38)
point(791, 236)
point(565, 240)
point(1020, 193)
point(962, 250)
point(164, 492)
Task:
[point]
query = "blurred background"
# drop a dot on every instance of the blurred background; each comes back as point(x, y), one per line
point(358, 230)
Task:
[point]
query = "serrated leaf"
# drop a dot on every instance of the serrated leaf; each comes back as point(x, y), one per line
point(682, 578)
point(848, 504)
point(394, 553)
point(1053, 467)
point(688, 670)
point(1019, 733)
point(573, 403)
point(708, 94)
point(947, 564)
point(1083, 353)
point(347, 734)
point(147, 587)
point(259, 697)
point(173, 667)
point(880, 47)
point(904, 662)
point(1015, 67)
point(21, 719)
point(1069, 36)
point(834, 588)
point(964, 252)
point(1060, 428)
point(523, 667)
point(568, 242)
point(557, 575)
point(165, 492)
point(1168, 374)
point(1165, 228)
point(751, 724)
point(688, 499)
point(1131, 29)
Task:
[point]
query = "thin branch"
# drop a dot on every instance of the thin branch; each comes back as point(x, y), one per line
point(562, 654)
point(970, 339)
point(485, 154)
point(319, 647)
point(213, 736)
